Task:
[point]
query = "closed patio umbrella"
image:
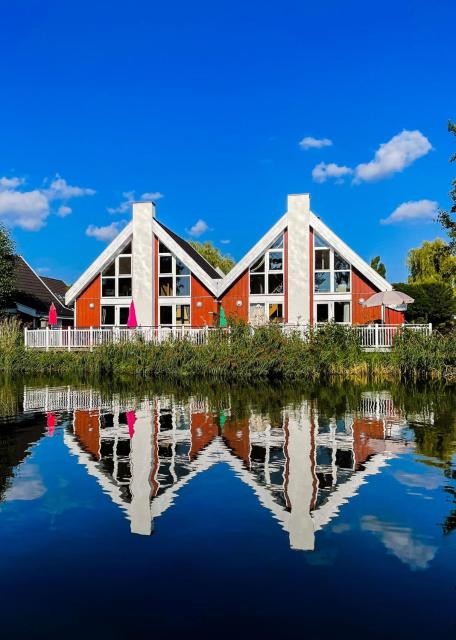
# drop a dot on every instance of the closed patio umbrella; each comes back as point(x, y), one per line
point(132, 322)
point(388, 299)
point(222, 322)
point(131, 419)
point(52, 319)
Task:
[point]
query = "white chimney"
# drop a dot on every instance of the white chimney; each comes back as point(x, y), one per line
point(298, 258)
point(143, 276)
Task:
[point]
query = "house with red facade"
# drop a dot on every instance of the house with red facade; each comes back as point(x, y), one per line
point(299, 272)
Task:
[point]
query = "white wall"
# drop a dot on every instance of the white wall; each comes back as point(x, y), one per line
point(143, 261)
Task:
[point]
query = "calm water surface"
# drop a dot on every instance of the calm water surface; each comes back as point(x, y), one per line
point(268, 513)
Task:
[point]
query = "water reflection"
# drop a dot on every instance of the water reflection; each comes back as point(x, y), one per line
point(302, 464)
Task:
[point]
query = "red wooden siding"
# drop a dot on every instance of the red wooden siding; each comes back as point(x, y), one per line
point(239, 290)
point(362, 288)
point(87, 430)
point(311, 274)
point(204, 315)
point(85, 316)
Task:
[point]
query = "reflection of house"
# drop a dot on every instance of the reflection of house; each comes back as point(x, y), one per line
point(301, 469)
point(34, 295)
point(298, 272)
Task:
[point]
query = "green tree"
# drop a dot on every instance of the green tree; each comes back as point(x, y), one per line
point(432, 262)
point(447, 218)
point(7, 267)
point(378, 266)
point(213, 255)
point(434, 302)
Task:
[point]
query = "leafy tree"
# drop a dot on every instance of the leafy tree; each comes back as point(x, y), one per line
point(434, 302)
point(432, 262)
point(213, 255)
point(378, 266)
point(447, 218)
point(7, 267)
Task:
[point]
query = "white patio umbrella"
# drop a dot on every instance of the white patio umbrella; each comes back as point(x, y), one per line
point(388, 299)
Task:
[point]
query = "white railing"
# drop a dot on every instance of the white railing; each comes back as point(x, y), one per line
point(371, 337)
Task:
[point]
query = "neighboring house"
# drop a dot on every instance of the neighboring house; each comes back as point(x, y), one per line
point(34, 296)
point(298, 272)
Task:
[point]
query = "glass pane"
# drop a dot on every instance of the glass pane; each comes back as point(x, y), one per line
point(342, 281)
point(322, 259)
point(255, 309)
point(322, 282)
point(258, 266)
point(108, 287)
point(257, 284)
point(183, 314)
point(319, 242)
point(342, 312)
point(183, 286)
point(275, 312)
point(166, 264)
point(166, 315)
point(278, 244)
point(275, 283)
point(123, 315)
point(108, 315)
point(276, 261)
point(162, 248)
point(110, 270)
point(165, 287)
point(127, 249)
point(125, 287)
point(322, 312)
point(124, 266)
point(339, 263)
point(181, 269)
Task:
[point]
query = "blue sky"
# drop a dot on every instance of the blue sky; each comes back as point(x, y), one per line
point(206, 103)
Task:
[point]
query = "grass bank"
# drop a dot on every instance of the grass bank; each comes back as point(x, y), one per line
point(332, 351)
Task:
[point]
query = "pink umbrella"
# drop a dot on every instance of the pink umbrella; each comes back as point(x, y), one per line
point(52, 315)
point(132, 322)
point(51, 423)
point(131, 419)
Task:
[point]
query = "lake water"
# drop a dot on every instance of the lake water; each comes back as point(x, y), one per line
point(227, 513)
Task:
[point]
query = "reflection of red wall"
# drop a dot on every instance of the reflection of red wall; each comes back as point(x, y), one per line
point(85, 316)
point(239, 290)
point(204, 430)
point(365, 429)
point(362, 288)
point(236, 434)
point(204, 315)
point(87, 430)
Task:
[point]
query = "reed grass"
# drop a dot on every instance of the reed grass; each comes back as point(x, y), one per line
point(268, 355)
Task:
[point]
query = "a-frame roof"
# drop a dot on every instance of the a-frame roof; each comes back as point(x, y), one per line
point(31, 291)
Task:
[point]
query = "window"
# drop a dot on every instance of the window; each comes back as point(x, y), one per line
point(108, 315)
point(332, 273)
point(116, 279)
point(323, 312)
point(275, 312)
point(182, 314)
point(342, 312)
point(166, 315)
point(266, 273)
point(174, 276)
point(123, 315)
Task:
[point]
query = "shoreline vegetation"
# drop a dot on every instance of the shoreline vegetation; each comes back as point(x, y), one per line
point(331, 352)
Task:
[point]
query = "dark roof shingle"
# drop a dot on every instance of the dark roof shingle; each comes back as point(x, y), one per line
point(33, 292)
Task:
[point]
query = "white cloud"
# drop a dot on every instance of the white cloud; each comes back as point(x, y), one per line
point(42, 270)
point(27, 485)
point(414, 210)
point(152, 195)
point(25, 209)
point(64, 210)
point(59, 189)
point(124, 206)
point(315, 143)
point(394, 156)
point(11, 183)
point(107, 233)
point(198, 228)
point(401, 542)
point(225, 241)
point(321, 172)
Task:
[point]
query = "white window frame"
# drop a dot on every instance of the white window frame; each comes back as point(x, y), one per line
point(107, 302)
point(168, 301)
point(331, 270)
point(331, 303)
point(267, 271)
point(174, 275)
point(117, 276)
